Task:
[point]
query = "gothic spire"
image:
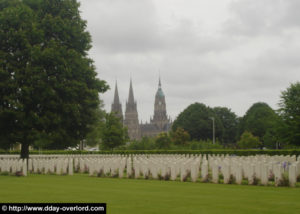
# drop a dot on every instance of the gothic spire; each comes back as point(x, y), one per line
point(130, 97)
point(159, 83)
point(116, 106)
point(159, 92)
point(116, 97)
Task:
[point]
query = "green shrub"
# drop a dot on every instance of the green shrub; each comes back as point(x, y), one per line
point(163, 141)
point(248, 141)
point(199, 145)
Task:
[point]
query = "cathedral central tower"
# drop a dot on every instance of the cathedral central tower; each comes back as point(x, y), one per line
point(160, 118)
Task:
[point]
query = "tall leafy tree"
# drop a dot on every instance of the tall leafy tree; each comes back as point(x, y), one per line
point(93, 138)
point(290, 113)
point(196, 119)
point(113, 133)
point(229, 122)
point(48, 88)
point(259, 119)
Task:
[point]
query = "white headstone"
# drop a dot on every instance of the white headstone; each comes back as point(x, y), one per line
point(204, 171)
point(292, 175)
point(264, 174)
point(278, 171)
point(238, 174)
point(251, 174)
point(154, 171)
point(226, 173)
point(24, 167)
point(129, 168)
point(30, 165)
point(183, 172)
point(58, 166)
point(136, 169)
point(70, 166)
point(173, 172)
point(215, 172)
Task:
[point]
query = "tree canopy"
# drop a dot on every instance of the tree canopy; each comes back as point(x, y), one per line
point(48, 88)
point(94, 137)
point(196, 119)
point(229, 122)
point(290, 113)
point(113, 133)
point(259, 119)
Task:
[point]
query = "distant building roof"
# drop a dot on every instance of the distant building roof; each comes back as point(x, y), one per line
point(148, 127)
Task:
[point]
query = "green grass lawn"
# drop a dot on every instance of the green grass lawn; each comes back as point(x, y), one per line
point(151, 196)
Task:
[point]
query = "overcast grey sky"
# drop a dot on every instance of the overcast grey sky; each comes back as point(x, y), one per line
point(229, 53)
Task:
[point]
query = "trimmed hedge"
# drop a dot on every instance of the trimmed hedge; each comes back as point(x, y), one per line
point(215, 152)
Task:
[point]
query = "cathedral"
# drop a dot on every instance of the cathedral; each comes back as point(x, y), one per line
point(160, 122)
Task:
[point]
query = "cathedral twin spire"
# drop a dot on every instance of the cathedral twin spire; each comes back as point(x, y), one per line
point(131, 115)
point(130, 104)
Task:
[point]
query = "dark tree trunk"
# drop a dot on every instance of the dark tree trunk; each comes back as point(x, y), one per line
point(80, 145)
point(24, 151)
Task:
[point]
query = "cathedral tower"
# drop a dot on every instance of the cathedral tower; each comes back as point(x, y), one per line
point(116, 107)
point(131, 116)
point(160, 118)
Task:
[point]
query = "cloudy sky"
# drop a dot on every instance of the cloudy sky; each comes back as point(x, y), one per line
point(229, 53)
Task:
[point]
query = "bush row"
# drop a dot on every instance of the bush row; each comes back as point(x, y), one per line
point(216, 152)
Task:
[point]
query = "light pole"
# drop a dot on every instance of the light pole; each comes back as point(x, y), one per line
point(213, 120)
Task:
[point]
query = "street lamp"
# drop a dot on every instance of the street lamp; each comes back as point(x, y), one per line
point(213, 120)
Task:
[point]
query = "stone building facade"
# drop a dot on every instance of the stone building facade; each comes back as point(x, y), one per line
point(160, 122)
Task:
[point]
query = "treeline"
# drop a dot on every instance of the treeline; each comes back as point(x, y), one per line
point(260, 127)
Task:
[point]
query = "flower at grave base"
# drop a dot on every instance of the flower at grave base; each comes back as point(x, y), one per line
point(19, 173)
point(284, 165)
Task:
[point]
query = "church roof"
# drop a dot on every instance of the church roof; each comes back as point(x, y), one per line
point(148, 127)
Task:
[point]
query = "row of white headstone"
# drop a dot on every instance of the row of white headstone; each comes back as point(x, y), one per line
point(251, 168)
point(59, 166)
point(182, 167)
point(14, 166)
point(42, 166)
